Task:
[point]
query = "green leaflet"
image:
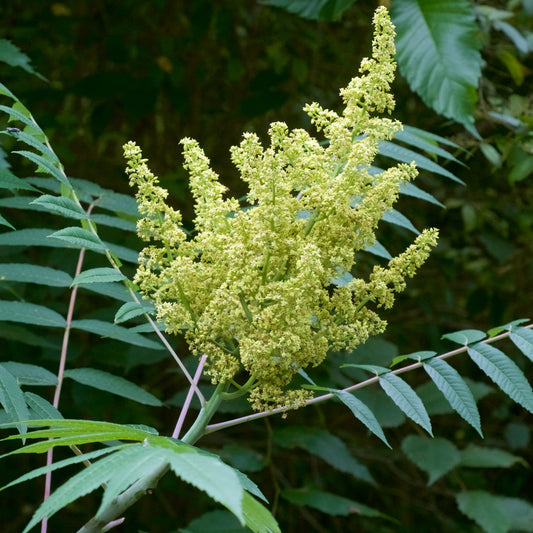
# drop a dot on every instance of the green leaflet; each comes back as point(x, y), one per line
point(406, 399)
point(114, 222)
point(410, 189)
point(27, 374)
point(98, 275)
point(84, 482)
point(482, 457)
point(465, 336)
point(4, 222)
point(28, 313)
point(455, 390)
point(101, 380)
point(12, 55)
point(8, 180)
point(133, 309)
point(60, 205)
point(17, 115)
point(504, 372)
point(379, 250)
point(436, 456)
point(80, 238)
point(60, 464)
point(523, 340)
point(27, 273)
point(362, 413)
point(323, 444)
point(329, 503)
point(438, 53)
point(38, 145)
point(399, 153)
point(313, 9)
point(41, 407)
point(107, 329)
point(12, 399)
point(44, 165)
point(485, 509)
point(395, 217)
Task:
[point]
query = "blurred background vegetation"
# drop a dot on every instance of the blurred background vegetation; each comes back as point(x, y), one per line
point(157, 71)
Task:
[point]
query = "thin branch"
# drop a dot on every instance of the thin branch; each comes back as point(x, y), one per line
point(186, 405)
point(319, 399)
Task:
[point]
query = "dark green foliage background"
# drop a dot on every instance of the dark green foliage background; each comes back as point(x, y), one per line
point(158, 71)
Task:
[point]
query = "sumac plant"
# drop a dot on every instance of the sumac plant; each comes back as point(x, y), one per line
point(263, 289)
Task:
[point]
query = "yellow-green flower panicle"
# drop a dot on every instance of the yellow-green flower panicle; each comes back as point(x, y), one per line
point(255, 288)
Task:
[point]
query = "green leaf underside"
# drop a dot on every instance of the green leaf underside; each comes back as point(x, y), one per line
point(324, 445)
point(465, 336)
point(61, 206)
point(13, 400)
point(101, 380)
point(28, 313)
point(406, 399)
point(362, 413)
point(41, 275)
point(523, 340)
point(399, 153)
point(455, 390)
point(44, 165)
point(438, 53)
point(485, 509)
point(329, 503)
point(80, 238)
point(436, 456)
point(28, 374)
point(112, 331)
point(396, 218)
point(131, 310)
point(503, 372)
point(98, 275)
point(41, 407)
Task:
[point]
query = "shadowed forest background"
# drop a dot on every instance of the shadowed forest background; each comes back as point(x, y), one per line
point(157, 71)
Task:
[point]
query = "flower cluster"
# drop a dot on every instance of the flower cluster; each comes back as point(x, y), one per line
point(254, 287)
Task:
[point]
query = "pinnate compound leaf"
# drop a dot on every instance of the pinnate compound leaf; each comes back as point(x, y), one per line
point(329, 503)
point(324, 445)
point(80, 238)
point(503, 372)
point(12, 399)
point(205, 472)
point(482, 457)
point(41, 275)
point(107, 329)
point(485, 509)
point(435, 456)
point(88, 480)
point(61, 464)
point(17, 115)
point(28, 313)
point(29, 139)
point(438, 53)
point(406, 399)
point(60, 205)
point(523, 340)
point(45, 165)
point(455, 390)
point(8, 180)
point(105, 381)
point(362, 413)
point(99, 275)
